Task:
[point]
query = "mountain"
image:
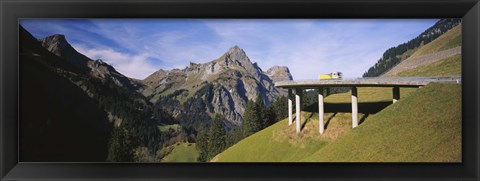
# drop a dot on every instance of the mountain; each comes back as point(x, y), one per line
point(224, 85)
point(58, 45)
point(60, 121)
point(75, 105)
point(279, 73)
point(440, 57)
point(78, 109)
point(395, 55)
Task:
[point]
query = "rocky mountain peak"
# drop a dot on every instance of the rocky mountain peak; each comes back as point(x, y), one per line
point(58, 45)
point(56, 38)
point(235, 49)
point(237, 54)
point(279, 73)
point(55, 43)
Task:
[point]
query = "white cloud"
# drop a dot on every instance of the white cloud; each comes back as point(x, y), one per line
point(134, 66)
point(173, 47)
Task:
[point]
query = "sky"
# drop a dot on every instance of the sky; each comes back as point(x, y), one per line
point(308, 47)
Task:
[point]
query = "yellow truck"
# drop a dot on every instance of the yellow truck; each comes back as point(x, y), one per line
point(333, 75)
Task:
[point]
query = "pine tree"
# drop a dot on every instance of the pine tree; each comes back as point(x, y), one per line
point(121, 147)
point(251, 119)
point(263, 114)
point(278, 109)
point(217, 137)
point(202, 143)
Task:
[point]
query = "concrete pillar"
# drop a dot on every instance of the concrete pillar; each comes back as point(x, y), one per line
point(320, 110)
point(290, 107)
point(298, 93)
point(354, 107)
point(396, 94)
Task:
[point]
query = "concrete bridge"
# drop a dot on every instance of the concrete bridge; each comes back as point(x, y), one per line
point(320, 85)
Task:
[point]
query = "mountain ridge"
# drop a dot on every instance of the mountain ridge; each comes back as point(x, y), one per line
point(226, 84)
point(58, 45)
point(52, 130)
point(230, 81)
point(105, 116)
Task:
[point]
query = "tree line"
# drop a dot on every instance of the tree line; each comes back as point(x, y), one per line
point(139, 123)
point(215, 139)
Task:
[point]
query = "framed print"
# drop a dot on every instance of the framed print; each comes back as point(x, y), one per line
point(239, 90)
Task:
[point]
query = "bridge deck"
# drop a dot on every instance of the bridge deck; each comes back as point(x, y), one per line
point(368, 82)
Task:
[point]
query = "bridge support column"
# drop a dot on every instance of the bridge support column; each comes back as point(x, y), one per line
point(354, 107)
point(290, 107)
point(396, 94)
point(320, 110)
point(298, 93)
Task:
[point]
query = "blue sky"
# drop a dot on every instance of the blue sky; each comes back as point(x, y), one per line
point(139, 47)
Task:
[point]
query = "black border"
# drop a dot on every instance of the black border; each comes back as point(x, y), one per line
point(11, 11)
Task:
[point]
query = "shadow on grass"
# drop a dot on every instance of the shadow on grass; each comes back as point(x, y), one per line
point(329, 119)
point(365, 116)
point(306, 120)
point(365, 108)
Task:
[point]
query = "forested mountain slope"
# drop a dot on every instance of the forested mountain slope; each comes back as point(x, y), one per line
point(397, 54)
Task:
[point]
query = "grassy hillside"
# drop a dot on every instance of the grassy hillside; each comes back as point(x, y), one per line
point(280, 143)
point(181, 152)
point(448, 66)
point(424, 125)
point(450, 39)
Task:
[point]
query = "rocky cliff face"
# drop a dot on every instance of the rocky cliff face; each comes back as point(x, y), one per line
point(233, 79)
point(278, 74)
point(58, 45)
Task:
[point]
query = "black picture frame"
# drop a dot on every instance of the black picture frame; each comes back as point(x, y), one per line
point(11, 11)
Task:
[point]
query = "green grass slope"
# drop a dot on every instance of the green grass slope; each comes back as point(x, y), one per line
point(450, 39)
point(277, 143)
point(182, 152)
point(280, 142)
point(448, 66)
point(424, 125)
